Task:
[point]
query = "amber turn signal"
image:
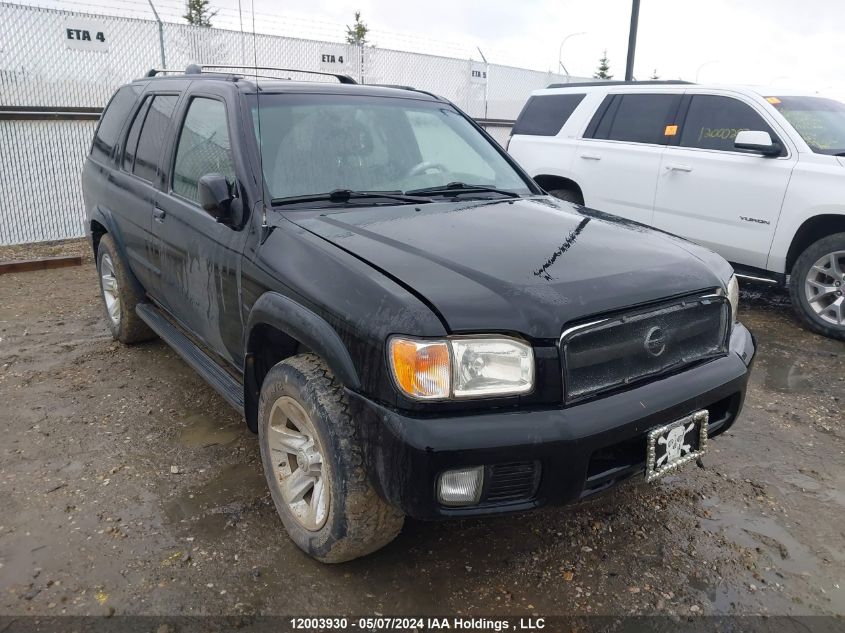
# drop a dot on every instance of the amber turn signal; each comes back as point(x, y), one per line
point(421, 368)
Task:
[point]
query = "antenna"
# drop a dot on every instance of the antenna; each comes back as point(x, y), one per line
point(258, 112)
point(241, 19)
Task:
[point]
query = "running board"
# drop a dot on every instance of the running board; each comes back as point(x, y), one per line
point(221, 380)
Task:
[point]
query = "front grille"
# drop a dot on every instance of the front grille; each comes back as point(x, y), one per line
point(612, 464)
point(620, 350)
point(514, 481)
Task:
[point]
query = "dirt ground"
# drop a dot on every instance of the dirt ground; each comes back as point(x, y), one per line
point(128, 486)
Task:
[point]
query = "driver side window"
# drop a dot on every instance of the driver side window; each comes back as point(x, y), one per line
point(204, 147)
point(713, 121)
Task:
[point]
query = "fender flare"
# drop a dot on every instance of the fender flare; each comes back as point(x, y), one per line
point(306, 327)
point(105, 218)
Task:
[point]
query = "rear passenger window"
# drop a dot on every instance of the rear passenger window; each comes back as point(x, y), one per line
point(132, 137)
point(544, 115)
point(204, 147)
point(713, 122)
point(638, 118)
point(111, 122)
point(153, 136)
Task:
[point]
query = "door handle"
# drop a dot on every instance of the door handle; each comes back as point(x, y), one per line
point(678, 167)
point(590, 156)
point(159, 213)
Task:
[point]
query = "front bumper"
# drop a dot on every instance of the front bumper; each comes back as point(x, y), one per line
point(544, 456)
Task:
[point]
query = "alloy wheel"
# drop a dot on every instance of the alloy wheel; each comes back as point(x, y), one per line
point(297, 460)
point(110, 289)
point(824, 286)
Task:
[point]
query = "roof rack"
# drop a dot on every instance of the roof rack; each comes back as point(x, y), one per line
point(585, 84)
point(199, 69)
point(411, 88)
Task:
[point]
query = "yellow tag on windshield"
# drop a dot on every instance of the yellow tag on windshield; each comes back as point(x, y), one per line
point(773, 100)
point(671, 130)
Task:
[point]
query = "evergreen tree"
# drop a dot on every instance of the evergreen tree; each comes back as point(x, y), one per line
point(604, 68)
point(357, 33)
point(198, 12)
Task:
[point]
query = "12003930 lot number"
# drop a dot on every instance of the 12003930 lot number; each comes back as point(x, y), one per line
point(369, 624)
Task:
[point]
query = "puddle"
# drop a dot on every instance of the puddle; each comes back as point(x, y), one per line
point(791, 377)
point(203, 431)
point(221, 502)
point(763, 533)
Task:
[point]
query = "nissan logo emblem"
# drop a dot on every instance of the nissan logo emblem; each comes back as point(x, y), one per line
point(655, 341)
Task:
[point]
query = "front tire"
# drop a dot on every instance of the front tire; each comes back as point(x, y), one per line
point(817, 286)
point(119, 295)
point(312, 453)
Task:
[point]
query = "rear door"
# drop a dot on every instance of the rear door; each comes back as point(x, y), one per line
point(618, 158)
point(135, 189)
point(712, 193)
point(201, 258)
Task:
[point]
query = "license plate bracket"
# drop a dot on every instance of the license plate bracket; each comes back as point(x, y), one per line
point(672, 445)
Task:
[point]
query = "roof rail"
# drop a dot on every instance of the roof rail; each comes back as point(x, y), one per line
point(411, 88)
point(197, 69)
point(584, 84)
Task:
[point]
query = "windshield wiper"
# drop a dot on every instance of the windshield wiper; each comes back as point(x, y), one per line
point(346, 195)
point(462, 187)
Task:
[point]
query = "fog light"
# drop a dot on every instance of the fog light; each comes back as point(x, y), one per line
point(460, 487)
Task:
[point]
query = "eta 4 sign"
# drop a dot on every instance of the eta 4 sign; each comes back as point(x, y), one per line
point(85, 35)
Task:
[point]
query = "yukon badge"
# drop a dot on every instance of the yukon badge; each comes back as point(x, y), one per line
point(757, 220)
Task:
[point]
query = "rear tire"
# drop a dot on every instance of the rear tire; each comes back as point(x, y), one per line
point(569, 195)
point(817, 286)
point(119, 295)
point(312, 453)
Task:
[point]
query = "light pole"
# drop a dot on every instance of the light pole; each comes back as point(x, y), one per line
point(632, 40)
point(560, 51)
point(697, 72)
point(160, 34)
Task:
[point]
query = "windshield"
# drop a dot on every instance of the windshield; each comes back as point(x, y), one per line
point(315, 144)
point(819, 121)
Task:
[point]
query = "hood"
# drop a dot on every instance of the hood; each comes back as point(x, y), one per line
point(527, 265)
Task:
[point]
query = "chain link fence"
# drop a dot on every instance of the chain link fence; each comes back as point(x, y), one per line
point(66, 65)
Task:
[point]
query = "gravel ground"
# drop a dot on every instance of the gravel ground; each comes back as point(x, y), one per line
point(128, 486)
point(46, 249)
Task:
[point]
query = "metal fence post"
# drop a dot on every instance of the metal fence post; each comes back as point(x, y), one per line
point(160, 33)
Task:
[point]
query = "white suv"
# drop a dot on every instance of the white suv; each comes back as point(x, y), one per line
point(757, 175)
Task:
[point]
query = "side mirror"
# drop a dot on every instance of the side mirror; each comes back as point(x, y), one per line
point(215, 196)
point(757, 141)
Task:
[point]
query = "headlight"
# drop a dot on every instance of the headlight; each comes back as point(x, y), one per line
point(461, 367)
point(733, 296)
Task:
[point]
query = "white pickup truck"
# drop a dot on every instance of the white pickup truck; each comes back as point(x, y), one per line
point(755, 174)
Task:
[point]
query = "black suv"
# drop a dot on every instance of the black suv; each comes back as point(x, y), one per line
point(407, 321)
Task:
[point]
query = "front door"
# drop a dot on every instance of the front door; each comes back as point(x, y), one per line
point(714, 194)
point(201, 258)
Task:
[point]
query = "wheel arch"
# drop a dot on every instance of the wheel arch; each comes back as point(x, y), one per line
point(812, 230)
point(100, 224)
point(279, 328)
point(97, 231)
